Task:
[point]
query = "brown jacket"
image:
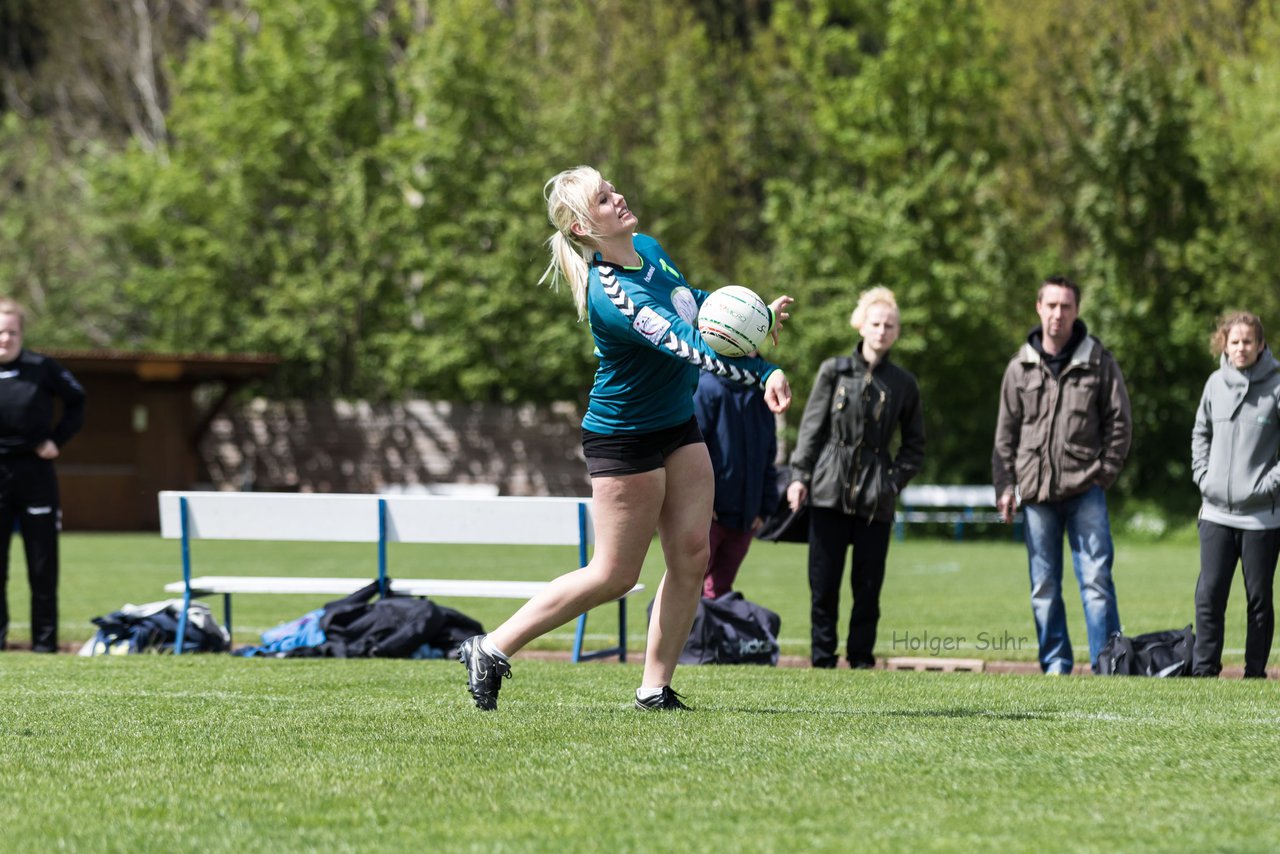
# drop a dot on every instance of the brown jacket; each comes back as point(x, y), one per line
point(1058, 436)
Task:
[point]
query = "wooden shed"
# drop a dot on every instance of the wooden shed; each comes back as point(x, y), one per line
point(145, 417)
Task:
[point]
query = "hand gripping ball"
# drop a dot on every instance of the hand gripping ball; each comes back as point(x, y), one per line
point(734, 321)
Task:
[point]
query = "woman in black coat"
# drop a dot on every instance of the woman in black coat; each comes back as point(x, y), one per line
point(843, 468)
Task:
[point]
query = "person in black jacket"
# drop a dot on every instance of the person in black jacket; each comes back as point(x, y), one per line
point(29, 443)
point(843, 468)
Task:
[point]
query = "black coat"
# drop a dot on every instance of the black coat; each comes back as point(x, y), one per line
point(842, 453)
point(391, 627)
point(28, 386)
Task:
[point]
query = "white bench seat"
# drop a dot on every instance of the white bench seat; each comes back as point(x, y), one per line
point(952, 504)
point(378, 519)
point(208, 585)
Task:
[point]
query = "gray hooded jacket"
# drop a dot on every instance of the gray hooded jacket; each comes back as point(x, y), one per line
point(1234, 445)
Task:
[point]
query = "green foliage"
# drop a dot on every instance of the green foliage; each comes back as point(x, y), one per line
point(1129, 182)
point(51, 256)
point(1139, 196)
point(1236, 138)
point(1137, 202)
point(257, 228)
point(355, 184)
point(466, 318)
point(898, 188)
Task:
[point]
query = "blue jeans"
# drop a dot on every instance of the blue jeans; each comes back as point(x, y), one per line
point(1088, 528)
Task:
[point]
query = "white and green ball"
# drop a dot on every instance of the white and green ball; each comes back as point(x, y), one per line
point(734, 321)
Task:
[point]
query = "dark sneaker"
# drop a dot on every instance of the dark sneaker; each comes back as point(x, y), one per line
point(484, 673)
point(668, 700)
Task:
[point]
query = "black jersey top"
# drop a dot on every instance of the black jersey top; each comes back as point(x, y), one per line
point(28, 386)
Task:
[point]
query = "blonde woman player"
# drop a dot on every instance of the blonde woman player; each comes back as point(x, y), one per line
point(648, 465)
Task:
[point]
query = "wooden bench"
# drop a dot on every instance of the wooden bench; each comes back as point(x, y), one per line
point(380, 519)
point(954, 505)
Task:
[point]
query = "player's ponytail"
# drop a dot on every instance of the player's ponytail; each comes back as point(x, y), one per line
point(569, 195)
point(568, 262)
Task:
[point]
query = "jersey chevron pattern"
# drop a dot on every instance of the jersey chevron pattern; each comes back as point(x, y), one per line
point(643, 322)
point(712, 364)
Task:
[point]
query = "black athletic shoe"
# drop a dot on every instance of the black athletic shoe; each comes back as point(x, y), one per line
point(668, 700)
point(484, 673)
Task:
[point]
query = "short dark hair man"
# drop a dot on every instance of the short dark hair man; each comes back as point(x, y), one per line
point(1062, 437)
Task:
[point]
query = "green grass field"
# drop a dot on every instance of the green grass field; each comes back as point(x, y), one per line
point(215, 753)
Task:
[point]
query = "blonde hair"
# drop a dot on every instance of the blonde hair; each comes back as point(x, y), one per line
point(570, 199)
point(9, 306)
point(879, 295)
point(1218, 340)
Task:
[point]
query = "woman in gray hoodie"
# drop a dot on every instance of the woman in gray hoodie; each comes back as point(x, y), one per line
point(1234, 462)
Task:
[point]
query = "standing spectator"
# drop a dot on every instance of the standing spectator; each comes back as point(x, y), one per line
point(29, 443)
point(843, 468)
point(1062, 437)
point(742, 440)
point(1233, 460)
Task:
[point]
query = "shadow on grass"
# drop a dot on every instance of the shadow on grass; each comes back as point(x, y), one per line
point(968, 713)
point(892, 713)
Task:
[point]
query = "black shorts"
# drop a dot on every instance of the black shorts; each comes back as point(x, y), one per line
point(610, 455)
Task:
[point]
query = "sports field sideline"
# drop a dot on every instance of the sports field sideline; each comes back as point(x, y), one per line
point(940, 597)
point(215, 753)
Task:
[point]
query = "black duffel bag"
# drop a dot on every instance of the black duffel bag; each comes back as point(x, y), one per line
point(1166, 653)
point(731, 630)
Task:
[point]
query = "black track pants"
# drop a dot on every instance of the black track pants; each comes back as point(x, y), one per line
point(831, 535)
point(29, 499)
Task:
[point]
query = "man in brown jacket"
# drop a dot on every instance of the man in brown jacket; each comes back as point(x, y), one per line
point(1061, 439)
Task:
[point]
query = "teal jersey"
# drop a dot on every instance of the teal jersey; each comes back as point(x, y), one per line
point(644, 321)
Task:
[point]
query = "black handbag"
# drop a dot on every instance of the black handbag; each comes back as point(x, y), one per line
point(785, 525)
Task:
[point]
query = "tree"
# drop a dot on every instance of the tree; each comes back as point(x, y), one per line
point(254, 228)
point(898, 187)
point(1236, 139)
point(52, 255)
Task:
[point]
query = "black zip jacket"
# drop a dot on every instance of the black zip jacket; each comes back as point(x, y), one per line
point(28, 386)
point(842, 452)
